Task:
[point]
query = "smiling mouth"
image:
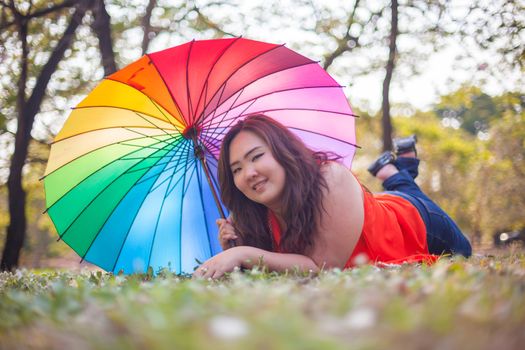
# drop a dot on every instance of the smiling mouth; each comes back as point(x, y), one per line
point(258, 186)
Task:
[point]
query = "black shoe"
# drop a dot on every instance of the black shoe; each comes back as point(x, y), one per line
point(405, 145)
point(384, 159)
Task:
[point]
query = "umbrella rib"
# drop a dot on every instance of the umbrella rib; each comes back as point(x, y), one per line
point(154, 137)
point(275, 92)
point(205, 87)
point(156, 126)
point(109, 216)
point(181, 213)
point(175, 171)
point(185, 170)
point(160, 163)
point(162, 112)
point(140, 91)
point(232, 120)
point(188, 97)
point(125, 109)
point(140, 114)
point(290, 109)
point(241, 66)
point(324, 135)
point(135, 158)
point(185, 189)
point(162, 206)
point(207, 124)
point(221, 89)
point(206, 142)
point(123, 143)
point(211, 174)
point(167, 168)
point(125, 238)
point(199, 183)
point(204, 117)
point(95, 196)
point(105, 221)
point(109, 128)
point(167, 88)
point(101, 147)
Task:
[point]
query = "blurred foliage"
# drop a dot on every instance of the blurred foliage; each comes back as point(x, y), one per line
point(477, 303)
point(479, 180)
point(474, 110)
point(472, 143)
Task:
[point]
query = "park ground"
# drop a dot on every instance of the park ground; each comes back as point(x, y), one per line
point(476, 303)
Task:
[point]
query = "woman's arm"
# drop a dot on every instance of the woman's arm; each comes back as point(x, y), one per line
point(248, 257)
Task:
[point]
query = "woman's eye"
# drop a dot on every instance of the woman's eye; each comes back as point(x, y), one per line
point(257, 156)
point(236, 170)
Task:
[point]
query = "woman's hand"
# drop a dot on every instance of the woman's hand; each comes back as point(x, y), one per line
point(221, 263)
point(227, 234)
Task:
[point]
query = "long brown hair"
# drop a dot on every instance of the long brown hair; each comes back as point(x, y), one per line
point(303, 191)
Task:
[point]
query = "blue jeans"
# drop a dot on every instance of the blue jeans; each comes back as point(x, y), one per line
point(443, 235)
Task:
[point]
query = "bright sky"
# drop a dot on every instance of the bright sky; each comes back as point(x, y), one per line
point(440, 74)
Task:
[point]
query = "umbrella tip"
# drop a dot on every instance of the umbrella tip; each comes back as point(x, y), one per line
point(191, 132)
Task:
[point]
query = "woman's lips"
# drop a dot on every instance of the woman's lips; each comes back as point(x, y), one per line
point(259, 186)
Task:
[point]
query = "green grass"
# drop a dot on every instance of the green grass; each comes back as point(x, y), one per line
point(471, 304)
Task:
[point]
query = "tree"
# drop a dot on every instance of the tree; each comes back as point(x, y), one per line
point(479, 181)
point(27, 108)
point(392, 51)
point(468, 107)
point(497, 27)
point(502, 176)
point(29, 25)
point(102, 27)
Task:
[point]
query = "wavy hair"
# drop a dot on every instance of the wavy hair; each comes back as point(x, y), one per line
point(303, 190)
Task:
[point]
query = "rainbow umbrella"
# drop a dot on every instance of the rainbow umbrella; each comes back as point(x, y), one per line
point(131, 180)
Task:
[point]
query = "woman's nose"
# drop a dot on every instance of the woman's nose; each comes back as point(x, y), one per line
point(250, 172)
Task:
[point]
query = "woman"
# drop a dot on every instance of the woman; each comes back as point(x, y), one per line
point(293, 208)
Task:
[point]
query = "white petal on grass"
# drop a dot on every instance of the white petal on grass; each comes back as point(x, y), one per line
point(360, 259)
point(360, 318)
point(228, 328)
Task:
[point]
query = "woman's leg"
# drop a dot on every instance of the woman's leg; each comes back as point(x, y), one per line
point(408, 163)
point(443, 235)
point(406, 152)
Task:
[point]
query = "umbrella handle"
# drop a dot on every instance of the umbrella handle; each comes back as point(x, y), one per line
point(199, 153)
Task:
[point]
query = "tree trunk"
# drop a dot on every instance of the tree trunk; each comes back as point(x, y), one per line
point(27, 110)
point(102, 28)
point(16, 196)
point(146, 25)
point(386, 120)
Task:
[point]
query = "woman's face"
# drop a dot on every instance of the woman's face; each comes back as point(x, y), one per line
point(256, 173)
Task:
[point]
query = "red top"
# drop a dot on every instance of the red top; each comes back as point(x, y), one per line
point(393, 232)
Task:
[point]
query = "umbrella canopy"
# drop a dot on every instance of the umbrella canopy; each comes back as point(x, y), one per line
point(131, 177)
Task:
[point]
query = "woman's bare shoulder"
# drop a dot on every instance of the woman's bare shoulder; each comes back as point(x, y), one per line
point(342, 219)
point(343, 186)
point(336, 173)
